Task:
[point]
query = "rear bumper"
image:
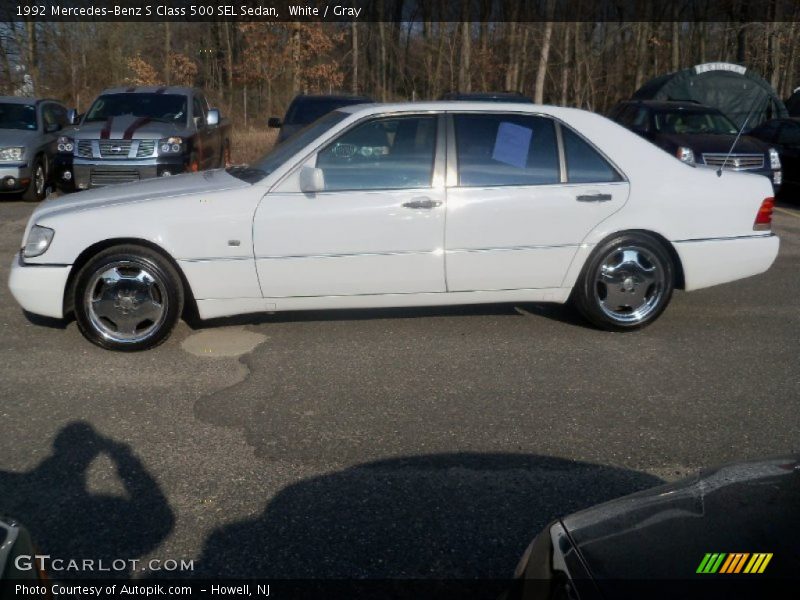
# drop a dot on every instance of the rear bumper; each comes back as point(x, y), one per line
point(97, 173)
point(720, 260)
point(39, 289)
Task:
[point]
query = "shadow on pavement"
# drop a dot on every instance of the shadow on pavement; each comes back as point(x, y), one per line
point(68, 521)
point(436, 516)
point(563, 313)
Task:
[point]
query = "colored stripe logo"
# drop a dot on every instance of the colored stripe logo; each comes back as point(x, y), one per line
point(734, 562)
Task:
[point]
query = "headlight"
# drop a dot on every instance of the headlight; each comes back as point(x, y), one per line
point(38, 241)
point(686, 155)
point(65, 144)
point(12, 153)
point(774, 159)
point(171, 145)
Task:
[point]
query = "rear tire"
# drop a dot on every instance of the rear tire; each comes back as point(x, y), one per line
point(127, 298)
point(626, 283)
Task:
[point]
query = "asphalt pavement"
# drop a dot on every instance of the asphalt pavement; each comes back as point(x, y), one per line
point(385, 443)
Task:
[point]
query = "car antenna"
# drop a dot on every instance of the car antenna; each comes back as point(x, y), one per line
point(738, 135)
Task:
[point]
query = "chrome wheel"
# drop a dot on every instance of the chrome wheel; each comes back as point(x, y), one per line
point(629, 284)
point(39, 181)
point(126, 302)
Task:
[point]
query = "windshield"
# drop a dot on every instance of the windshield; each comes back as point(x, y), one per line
point(170, 108)
point(282, 152)
point(694, 121)
point(308, 110)
point(17, 116)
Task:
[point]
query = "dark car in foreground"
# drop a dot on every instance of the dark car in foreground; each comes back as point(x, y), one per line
point(784, 135)
point(729, 532)
point(307, 108)
point(137, 133)
point(487, 97)
point(700, 135)
point(29, 128)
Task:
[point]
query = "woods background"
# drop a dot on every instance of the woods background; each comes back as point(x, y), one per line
point(252, 70)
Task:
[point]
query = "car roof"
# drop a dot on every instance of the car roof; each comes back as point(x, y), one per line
point(25, 100)
point(149, 89)
point(331, 97)
point(670, 104)
point(510, 96)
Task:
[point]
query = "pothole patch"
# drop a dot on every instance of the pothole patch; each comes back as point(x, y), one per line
point(227, 342)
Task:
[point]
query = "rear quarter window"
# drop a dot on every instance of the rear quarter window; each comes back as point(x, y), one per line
point(584, 163)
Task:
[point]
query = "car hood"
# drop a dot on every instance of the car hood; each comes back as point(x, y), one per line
point(717, 143)
point(17, 137)
point(665, 533)
point(141, 191)
point(127, 127)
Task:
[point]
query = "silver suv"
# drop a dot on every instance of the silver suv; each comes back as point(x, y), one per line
point(29, 130)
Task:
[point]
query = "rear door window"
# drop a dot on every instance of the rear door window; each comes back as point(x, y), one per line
point(505, 149)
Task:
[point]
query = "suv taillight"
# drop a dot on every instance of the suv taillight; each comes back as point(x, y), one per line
point(764, 215)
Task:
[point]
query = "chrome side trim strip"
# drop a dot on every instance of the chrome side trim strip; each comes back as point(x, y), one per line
point(723, 239)
point(352, 254)
point(214, 259)
point(510, 248)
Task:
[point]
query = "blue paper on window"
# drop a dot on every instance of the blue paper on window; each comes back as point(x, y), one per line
point(512, 144)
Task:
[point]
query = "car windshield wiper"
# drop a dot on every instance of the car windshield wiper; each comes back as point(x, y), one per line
point(247, 173)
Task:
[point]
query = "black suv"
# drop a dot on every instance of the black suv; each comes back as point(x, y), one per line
point(698, 134)
point(306, 109)
point(487, 97)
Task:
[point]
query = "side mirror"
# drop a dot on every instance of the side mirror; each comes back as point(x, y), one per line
point(274, 123)
point(52, 128)
point(72, 116)
point(312, 180)
point(213, 117)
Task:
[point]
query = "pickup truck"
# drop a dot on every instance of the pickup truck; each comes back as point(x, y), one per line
point(137, 133)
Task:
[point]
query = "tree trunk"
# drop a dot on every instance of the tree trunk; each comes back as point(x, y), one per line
point(464, 74)
point(167, 48)
point(565, 68)
point(544, 54)
point(354, 40)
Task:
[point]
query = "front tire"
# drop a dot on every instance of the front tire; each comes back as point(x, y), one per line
point(37, 189)
point(626, 283)
point(127, 298)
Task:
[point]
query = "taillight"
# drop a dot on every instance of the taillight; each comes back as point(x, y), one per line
point(764, 214)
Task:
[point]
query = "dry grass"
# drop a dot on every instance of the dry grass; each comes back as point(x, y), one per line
point(247, 145)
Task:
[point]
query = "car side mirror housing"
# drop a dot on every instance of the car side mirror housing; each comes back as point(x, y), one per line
point(312, 180)
point(72, 116)
point(213, 117)
point(274, 123)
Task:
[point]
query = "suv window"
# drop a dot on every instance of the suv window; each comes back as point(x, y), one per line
point(584, 163)
point(386, 153)
point(52, 116)
point(505, 149)
point(198, 110)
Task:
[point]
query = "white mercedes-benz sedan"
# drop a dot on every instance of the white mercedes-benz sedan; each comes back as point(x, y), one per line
point(401, 205)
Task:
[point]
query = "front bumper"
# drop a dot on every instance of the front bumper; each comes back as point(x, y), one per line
point(39, 289)
point(14, 177)
point(88, 173)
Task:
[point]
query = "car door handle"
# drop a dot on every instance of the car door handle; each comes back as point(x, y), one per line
point(593, 198)
point(423, 203)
